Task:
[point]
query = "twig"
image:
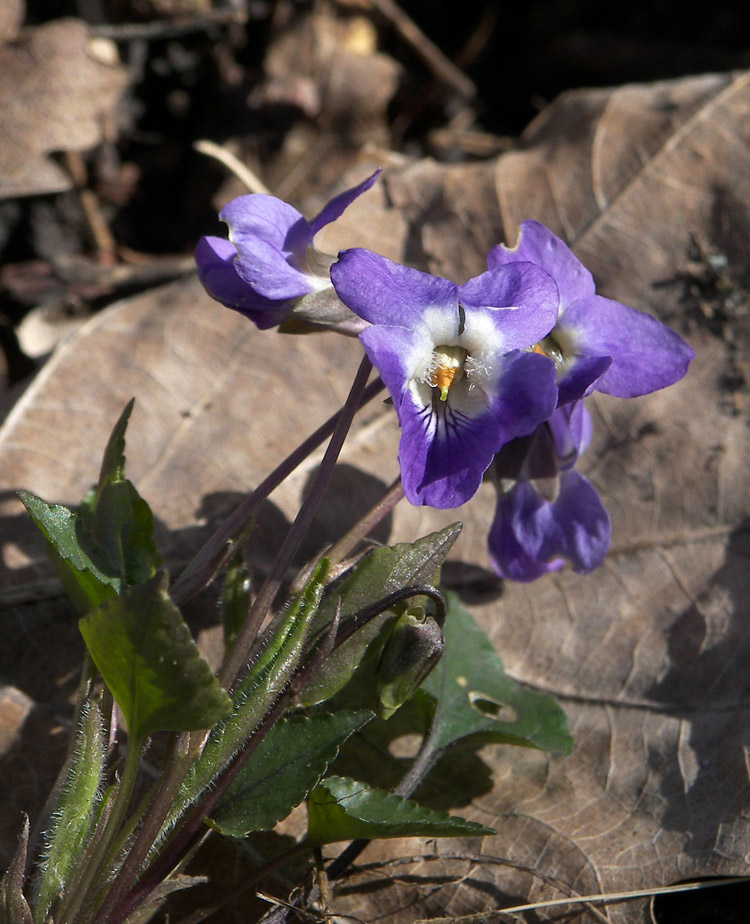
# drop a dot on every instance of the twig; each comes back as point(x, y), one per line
point(440, 65)
point(233, 164)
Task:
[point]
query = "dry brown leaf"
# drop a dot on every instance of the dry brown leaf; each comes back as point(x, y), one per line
point(650, 655)
point(11, 17)
point(58, 89)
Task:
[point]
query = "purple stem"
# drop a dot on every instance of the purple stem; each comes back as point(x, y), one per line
point(204, 564)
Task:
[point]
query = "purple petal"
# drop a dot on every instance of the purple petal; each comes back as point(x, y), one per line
point(517, 534)
point(537, 244)
point(524, 395)
point(266, 218)
point(383, 292)
point(583, 525)
point(531, 536)
point(443, 452)
point(272, 240)
point(214, 257)
point(523, 300)
point(396, 353)
point(446, 447)
point(580, 379)
point(338, 205)
point(572, 429)
point(646, 354)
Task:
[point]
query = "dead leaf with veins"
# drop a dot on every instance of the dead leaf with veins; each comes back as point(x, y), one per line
point(649, 656)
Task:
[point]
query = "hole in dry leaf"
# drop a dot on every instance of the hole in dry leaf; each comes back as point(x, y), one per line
point(490, 707)
point(720, 904)
point(405, 746)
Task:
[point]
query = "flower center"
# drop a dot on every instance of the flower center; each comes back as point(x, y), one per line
point(448, 367)
point(551, 348)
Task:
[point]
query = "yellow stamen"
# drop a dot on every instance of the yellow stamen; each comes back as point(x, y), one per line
point(444, 379)
point(449, 368)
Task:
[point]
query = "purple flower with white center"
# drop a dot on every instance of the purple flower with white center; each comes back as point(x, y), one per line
point(269, 268)
point(598, 344)
point(455, 360)
point(547, 513)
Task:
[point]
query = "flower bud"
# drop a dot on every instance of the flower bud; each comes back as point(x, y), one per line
point(412, 650)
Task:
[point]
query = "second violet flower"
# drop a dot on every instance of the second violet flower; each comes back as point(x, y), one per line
point(456, 362)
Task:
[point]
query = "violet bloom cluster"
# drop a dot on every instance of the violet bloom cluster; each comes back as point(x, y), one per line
point(487, 378)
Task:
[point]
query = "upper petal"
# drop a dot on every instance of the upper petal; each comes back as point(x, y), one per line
point(537, 244)
point(272, 240)
point(521, 298)
point(266, 218)
point(340, 203)
point(384, 292)
point(646, 354)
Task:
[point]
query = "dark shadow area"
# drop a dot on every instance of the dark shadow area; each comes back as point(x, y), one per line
point(726, 904)
point(708, 686)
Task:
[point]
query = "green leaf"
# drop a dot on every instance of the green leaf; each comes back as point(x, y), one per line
point(108, 544)
point(342, 809)
point(85, 582)
point(259, 689)
point(285, 767)
point(119, 532)
point(380, 573)
point(113, 460)
point(115, 523)
point(474, 696)
point(72, 818)
point(148, 659)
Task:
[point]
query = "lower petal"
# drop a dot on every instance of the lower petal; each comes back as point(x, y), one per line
point(583, 527)
point(518, 532)
point(443, 452)
point(214, 257)
point(531, 536)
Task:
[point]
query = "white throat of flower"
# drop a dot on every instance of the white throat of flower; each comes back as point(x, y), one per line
point(460, 362)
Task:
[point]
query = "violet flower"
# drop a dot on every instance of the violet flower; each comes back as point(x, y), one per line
point(455, 360)
point(269, 269)
point(597, 343)
point(547, 513)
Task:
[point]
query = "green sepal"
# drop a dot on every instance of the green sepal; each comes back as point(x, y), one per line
point(266, 678)
point(148, 659)
point(474, 698)
point(288, 763)
point(72, 818)
point(342, 809)
point(378, 574)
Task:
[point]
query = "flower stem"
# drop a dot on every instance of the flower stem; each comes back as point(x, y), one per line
point(348, 542)
point(240, 651)
point(96, 861)
point(206, 562)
